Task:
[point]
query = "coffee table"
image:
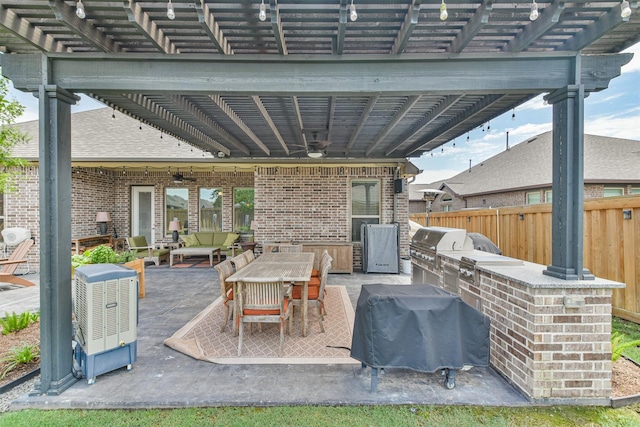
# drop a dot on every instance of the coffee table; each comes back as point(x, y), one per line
point(181, 252)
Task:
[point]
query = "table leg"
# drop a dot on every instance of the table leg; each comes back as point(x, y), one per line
point(171, 255)
point(305, 307)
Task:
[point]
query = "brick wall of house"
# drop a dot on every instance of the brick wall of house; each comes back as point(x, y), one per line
point(21, 210)
point(314, 204)
point(299, 203)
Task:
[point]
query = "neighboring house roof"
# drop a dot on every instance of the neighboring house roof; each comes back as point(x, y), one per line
point(96, 136)
point(415, 192)
point(97, 139)
point(529, 165)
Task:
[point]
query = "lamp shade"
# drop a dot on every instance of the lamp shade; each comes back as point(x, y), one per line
point(175, 225)
point(103, 217)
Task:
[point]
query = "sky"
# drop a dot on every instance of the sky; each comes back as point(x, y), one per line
point(613, 112)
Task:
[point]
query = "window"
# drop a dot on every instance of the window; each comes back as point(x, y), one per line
point(533, 198)
point(635, 190)
point(210, 203)
point(365, 205)
point(242, 208)
point(548, 196)
point(176, 202)
point(447, 201)
point(612, 192)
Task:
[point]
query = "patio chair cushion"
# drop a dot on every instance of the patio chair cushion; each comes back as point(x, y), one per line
point(138, 241)
point(314, 291)
point(231, 238)
point(254, 312)
point(314, 281)
point(205, 238)
point(190, 240)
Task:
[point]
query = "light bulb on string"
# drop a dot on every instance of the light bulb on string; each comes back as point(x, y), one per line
point(146, 170)
point(513, 114)
point(113, 114)
point(534, 11)
point(443, 11)
point(442, 149)
point(262, 15)
point(353, 15)
point(171, 13)
point(625, 9)
point(467, 136)
point(80, 13)
point(140, 126)
point(454, 143)
point(488, 126)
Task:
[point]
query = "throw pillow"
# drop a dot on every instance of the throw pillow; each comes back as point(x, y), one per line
point(190, 240)
point(231, 237)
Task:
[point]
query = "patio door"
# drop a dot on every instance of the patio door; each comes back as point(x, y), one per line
point(142, 212)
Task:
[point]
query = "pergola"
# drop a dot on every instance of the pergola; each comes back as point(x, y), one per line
point(307, 80)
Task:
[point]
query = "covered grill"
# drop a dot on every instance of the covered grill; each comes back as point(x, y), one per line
point(419, 327)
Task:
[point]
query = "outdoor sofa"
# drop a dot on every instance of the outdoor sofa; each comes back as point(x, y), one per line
point(212, 239)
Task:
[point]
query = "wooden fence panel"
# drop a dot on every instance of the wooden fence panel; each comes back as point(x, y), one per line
point(611, 242)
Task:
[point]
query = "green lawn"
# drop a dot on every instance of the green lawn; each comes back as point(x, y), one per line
point(393, 416)
point(352, 416)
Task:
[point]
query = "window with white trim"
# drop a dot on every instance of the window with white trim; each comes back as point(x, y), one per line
point(533, 198)
point(365, 205)
point(612, 192)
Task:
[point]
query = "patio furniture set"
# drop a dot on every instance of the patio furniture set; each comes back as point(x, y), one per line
point(266, 290)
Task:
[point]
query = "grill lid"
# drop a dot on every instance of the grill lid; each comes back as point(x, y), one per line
point(443, 239)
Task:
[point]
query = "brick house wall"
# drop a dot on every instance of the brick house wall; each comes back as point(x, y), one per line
point(292, 203)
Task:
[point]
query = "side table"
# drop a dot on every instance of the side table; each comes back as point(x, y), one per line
point(246, 246)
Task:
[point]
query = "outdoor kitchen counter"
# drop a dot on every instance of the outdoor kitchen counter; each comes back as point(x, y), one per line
point(523, 272)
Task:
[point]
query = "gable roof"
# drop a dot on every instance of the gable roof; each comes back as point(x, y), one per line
point(529, 165)
point(95, 135)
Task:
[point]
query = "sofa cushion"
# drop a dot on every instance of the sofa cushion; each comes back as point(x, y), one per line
point(219, 237)
point(205, 238)
point(231, 238)
point(190, 240)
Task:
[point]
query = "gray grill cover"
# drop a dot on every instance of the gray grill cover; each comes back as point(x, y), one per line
point(420, 327)
point(483, 243)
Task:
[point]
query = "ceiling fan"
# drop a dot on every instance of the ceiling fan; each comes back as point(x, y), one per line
point(179, 178)
point(315, 149)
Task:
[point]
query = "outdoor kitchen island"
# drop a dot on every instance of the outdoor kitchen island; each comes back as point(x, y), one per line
point(551, 338)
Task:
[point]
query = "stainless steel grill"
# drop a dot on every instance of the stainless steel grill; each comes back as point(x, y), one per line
point(426, 244)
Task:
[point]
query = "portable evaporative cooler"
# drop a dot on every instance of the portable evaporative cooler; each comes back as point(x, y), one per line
point(105, 307)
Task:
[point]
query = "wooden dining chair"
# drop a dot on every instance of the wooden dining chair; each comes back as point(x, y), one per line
point(290, 248)
point(325, 255)
point(225, 269)
point(265, 301)
point(239, 261)
point(249, 255)
point(315, 297)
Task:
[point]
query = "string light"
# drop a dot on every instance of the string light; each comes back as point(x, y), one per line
point(625, 9)
point(263, 12)
point(534, 11)
point(488, 126)
point(171, 14)
point(443, 11)
point(467, 136)
point(113, 114)
point(513, 114)
point(353, 15)
point(80, 13)
point(146, 170)
point(140, 127)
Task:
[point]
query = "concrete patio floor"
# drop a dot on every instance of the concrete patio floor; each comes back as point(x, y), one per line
point(164, 378)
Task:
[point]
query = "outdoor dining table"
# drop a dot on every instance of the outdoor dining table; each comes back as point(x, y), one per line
point(291, 267)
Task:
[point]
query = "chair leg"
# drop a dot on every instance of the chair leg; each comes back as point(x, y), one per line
point(281, 326)
point(226, 318)
point(240, 327)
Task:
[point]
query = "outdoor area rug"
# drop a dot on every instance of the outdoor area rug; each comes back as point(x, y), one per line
point(201, 337)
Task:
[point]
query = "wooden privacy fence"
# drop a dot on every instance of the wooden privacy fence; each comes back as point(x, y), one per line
point(611, 239)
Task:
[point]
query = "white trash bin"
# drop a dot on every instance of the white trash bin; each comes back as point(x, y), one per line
point(405, 263)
